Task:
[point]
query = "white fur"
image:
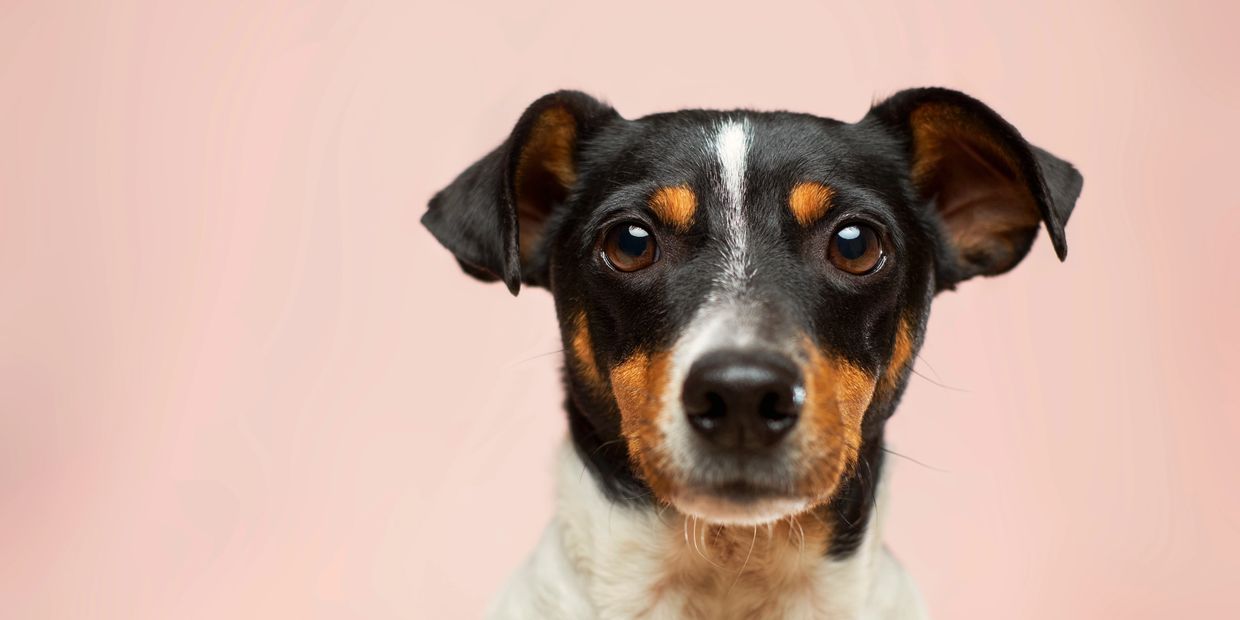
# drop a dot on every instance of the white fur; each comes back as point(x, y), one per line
point(731, 146)
point(723, 321)
point(716, 326)
point(600, 560)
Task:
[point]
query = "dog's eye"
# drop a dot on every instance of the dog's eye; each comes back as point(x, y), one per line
point(855, 248)
point(629, 247)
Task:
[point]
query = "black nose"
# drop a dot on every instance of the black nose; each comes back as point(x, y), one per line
point(743, 399)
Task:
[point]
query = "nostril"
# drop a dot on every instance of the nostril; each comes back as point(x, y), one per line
point(779, 411)
point(708, 416)
point(773, 406)
point(769, 407)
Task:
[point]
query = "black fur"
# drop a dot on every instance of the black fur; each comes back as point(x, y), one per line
point(618, 163)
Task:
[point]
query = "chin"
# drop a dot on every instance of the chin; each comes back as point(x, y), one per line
point(733, 508)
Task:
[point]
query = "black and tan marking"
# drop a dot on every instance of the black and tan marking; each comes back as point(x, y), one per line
point(675, 207)
point(809, 201)
point(949, 188)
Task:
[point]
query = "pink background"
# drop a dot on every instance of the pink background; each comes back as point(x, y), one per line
point(238, 379)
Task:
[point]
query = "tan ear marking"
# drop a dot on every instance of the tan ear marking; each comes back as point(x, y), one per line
point(545, 171)
point(809, 201)
point(980, 190)
point(938, 127)
point(675, 206)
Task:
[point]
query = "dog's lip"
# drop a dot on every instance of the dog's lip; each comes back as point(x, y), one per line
point(739, 503)
point(740, 492)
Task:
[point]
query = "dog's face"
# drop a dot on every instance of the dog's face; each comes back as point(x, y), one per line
point(742, 294)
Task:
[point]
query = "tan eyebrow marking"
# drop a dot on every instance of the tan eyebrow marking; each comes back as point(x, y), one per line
point(810, 201)
point(675, 206)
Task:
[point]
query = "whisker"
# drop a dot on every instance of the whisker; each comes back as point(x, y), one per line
point(534, 357)
point(745, 564)
point(931, 467)
point(923, 360)
point(801, 553)
point(605, 444)
point(873, 490)
point(697, 548)
point(801, 543)
point(706, 545)
point(659, 512)
point(695, 538)
point(942, 385)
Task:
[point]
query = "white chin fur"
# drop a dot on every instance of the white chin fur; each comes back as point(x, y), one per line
point(717, 510)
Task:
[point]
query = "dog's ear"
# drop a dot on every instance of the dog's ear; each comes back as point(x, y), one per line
point(989, 187)
point(493, 215)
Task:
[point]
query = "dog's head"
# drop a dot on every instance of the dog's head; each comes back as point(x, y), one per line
point(742, 294)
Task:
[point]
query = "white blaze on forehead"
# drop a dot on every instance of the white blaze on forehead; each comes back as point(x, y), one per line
point(731, 142)
point(725, 319)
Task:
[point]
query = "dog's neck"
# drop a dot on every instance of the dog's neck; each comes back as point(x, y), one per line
point(634, 559)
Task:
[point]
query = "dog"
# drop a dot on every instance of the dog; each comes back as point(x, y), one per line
point(741, 295)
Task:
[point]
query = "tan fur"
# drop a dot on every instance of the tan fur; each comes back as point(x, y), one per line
point(901, 354)
point(675, 206)
point(582, 349)
point(938, 127)
point(731, 571)
point(990, 210)
point(602, 560)
point(639, 384)
point(721, 571)
point(837, 395)
point(545, 171)
point(809, 201)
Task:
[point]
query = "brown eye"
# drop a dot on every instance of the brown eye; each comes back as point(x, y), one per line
point(629, 247)
point(855, 248)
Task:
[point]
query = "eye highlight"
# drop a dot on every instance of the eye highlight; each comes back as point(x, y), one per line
point(855, 248)
point(630, 247)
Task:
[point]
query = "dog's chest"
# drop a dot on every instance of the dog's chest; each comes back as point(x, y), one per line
point(711, 573)
point(642, 563)
point(602, 560)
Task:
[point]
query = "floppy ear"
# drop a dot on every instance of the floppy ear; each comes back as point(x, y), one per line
point(492, 216)
point(989, 188)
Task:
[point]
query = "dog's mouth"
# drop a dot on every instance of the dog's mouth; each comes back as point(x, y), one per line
point(741, 435)
point(749, 489)
point(738, 502)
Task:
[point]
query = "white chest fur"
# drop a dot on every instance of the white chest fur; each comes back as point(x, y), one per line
point(601, 560)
